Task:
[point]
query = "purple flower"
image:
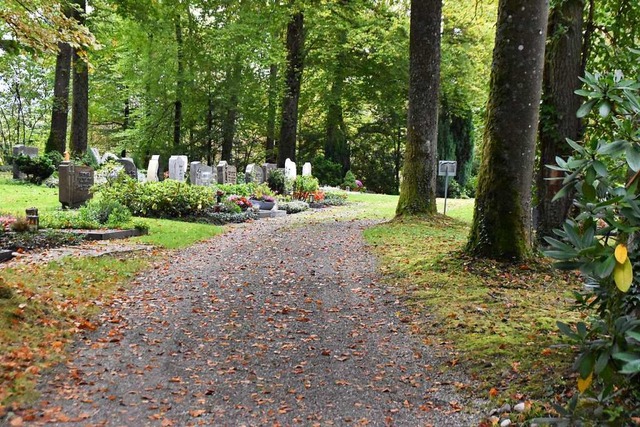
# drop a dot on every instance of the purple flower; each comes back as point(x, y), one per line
point(358, 183)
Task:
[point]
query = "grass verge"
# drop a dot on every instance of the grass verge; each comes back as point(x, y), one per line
point(497, 320)
point(43, 306)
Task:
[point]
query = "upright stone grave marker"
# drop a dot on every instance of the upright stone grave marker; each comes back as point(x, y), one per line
point(129, 167)
point(290, 169)
point(226, 174)
point(152, 170)
point(26, 151)
point(178, 167)
point(74, 185)
point(194, 172)
point(254, 173)
point(268, 168)
point(206, 175)
point(306, 169)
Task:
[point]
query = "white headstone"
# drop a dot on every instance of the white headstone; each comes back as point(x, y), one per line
point(108, 156)
point(152, 170)
point(306, 169)
point(290, 169)
point(178, 167)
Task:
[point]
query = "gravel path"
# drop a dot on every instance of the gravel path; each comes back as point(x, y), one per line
point(278, 322)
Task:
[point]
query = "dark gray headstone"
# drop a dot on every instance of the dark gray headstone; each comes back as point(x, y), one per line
point(129, 167)
point(74, 185)
point(194, 172)
point(226, 174)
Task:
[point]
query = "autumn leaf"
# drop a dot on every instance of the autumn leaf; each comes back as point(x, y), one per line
point(583, 384)
point(621, 253)
point(623, 275)
point(493, 392)
point(197, 412)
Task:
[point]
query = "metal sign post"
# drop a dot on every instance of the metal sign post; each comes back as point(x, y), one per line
point(446, 168)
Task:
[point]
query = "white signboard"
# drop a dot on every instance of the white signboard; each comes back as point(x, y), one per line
point(447, 167)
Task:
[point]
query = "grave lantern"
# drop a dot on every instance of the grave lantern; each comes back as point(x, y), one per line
point(32, 217)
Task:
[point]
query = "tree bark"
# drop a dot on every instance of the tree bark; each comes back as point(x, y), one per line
point(177, 118)
point(270, 143)
point(57, 140)
point(336, 147)
point(558, 121)
point(231, 115)
point(501, 226)
point(418, 188)
point(295, 63)
point(210, 154)
point(80, 104)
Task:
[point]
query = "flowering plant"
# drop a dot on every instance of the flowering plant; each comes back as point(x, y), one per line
point(241, 201)
point(265, 198)
point(5, 222)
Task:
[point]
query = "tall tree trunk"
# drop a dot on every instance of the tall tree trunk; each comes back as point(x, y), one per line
point(177, 118)
point(501, 226)
point(295, 63)
point(336, 147)
point(231, 115)
point(57, 140)
point(210, 155)
point(558, 121)
point(80, 104)
point(270, 144)
point(418, 188)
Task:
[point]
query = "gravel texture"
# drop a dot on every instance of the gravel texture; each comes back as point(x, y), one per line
point(278, 322)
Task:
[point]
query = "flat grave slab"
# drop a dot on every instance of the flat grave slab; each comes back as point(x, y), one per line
point(271, 214)
point(112, 234)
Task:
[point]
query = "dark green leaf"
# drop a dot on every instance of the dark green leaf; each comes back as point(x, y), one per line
point(585, 108)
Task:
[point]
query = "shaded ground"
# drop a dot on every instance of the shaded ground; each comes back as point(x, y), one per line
point(278, 322)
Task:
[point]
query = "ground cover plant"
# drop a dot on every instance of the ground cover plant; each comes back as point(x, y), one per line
point(39, 316)
point(496, 321)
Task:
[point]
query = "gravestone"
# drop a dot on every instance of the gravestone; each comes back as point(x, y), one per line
point(268, 168)
point(254, 173)
point(26, 151)
point(95, 154)
point(226, 174)
point(306, 169)
point(129, 167)
point(290, 169)
point(74, 185)
point(200, 174)
point(206, 175)
point(178, 167)
point(194, 172)
point(152, 170)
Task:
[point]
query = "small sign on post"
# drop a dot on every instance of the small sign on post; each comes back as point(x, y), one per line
point(447, 168)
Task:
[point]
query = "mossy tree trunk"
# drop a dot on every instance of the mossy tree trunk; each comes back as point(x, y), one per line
point(418, 188)
point(558, 120)
point(57, 140)
point(336, 147)
point(295, 64)
point(270, 142)
point(501, 226)
point(233, 82)
point(177, 113)
point(80, 104)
